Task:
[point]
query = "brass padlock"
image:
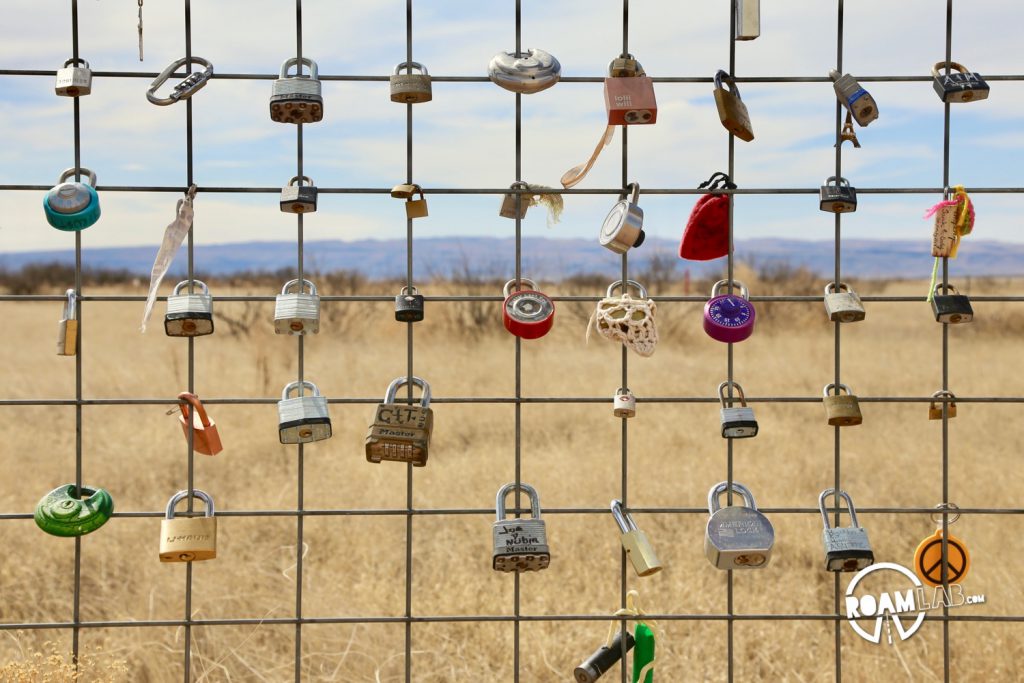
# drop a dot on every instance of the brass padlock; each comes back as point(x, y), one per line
point(731, 110)
point(205, 437)
point(414, 208)
point(842, 303)
point(515, 205)
point(951, 308)
point(188, 539)
point(959, 85)
point(842, 411)
point(408, 87)
point(67, 329)
point(74, 81)
point(629, 93)
point(935, 408)
point(635, 543)
point(299, 198)
point(400, 431)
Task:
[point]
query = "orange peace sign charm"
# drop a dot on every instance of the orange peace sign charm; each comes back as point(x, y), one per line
point(928, 559)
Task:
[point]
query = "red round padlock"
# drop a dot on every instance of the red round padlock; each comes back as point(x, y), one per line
point(527, 313)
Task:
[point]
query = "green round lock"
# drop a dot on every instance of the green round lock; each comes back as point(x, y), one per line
point(61, 513)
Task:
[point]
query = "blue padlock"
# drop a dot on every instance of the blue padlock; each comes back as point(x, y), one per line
point(73, 206)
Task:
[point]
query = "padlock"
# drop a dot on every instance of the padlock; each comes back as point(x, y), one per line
point(205, 436)
point(67, 329)
point(629, 93)
point(303, 419)
point(623, 226)
point(414, 208)
point(842, 303)
point(952, 308)
point(959, 85)
point(519, 544)
point(603, 659)
point(299, 198)
point(188, 539)
point(842, 411)
point(627, 320)
point(935, 408)
point(74, 81)
point(400, 431)
point(729, 318)
point(731, 110)
point(297, 99)
point(624, 403)
point(73, 511)
point(511, 201)
point(737, 423)
point(297, 312)
point(409, 305)
point(837, 196)
point(525, 73)
point(748, 19)
point(526, 312)
point(855, 98)
point(189, 315)
point(635, 543)
point(846, 548)
point(73, 206)
point(408, 87)
point(737, 536)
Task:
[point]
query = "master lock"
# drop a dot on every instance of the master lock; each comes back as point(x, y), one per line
point(623, 226)
point(935, 408)
point(629, 93)
point(624, 403)
point(409, 87)
point(519, 544)
point(409, 305)
point(842, 303)
point(299, 198)
point(188, 539)
point(846, 548)
point(73, 511)
point(67, 329)
point(855, 98)
point(303, 419)
point(401, 431)
point(603, 659)
point(74, 81)
point(515, 205)
point(297, 99)
point(959, 85)
point(205, 437)
point(635, 543)
point(952, 308)
point(297, 312)
point(526, 312)
point(737, 536)
point(837, 196)
point(414, 208)
point(731, 110)
point(842, 411)
point(525, 73)
point(729, 318)
point(737, 423)
point(189, 315)
point(72, 206)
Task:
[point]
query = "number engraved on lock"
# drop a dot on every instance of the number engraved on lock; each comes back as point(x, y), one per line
point(730, 312)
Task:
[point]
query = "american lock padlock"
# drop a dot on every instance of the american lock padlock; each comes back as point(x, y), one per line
point(842, 411)
point(603, 659)
point(524, 72)
point(959, 84)
point(73, 511)
point(401, 431)
point(729, 318)
point(856, 99)
point(624, 403)
point(205, 436)
point(737, 536)
point(414, 208)
point(409, 305)
point(842, 305)
point(297, 312)
point(737, 422)
point(837, 196)
point(299, 98)
point(953, 307)
point(846, 548)
point(408, 87)
point(634, 542)
point(72, 205)
point(299, 198)
point(302, 419)
point(731, 110)
point(629, 93)
point(935, 407)
point(519, 544)
point(188, 539)
point(73, 81)
point(67, 329)
point(189, 314)
point(623, 226)
point(526, 312)
point(514, 205)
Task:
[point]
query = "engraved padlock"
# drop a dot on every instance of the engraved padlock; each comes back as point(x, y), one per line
point(205, 435)
point(297, 312)
point(73, 511)
point(634, 542)
point(74, 81)
point(731, 110)
point(515, 205)
point(519, 544)
point(74, 205)
point(624, 403)
point(297, 99)
point(842, 303)
point(409, 305)
point(959, 84)
point(303, 419)
point(842, 411)
point(189, 315)
point(67, 329)
point(414, 208)
point(945, 234)
point(846, 548)
point(737, 536)
point(737, 422)
point(603, 659)
point(526, 312)
point(401, 431)
point(524, 72)
point(837, 196)
point(408, 87)
point(299, 198)
point(935, 407)
point(629, 93)
point(729, 318)
point(856, 99)
point(623, 226)
point(951, 308)
point(748, 19)
point(188, 539)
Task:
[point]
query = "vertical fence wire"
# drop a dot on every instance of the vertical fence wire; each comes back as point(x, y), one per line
point(837, 338)
point(77, 600)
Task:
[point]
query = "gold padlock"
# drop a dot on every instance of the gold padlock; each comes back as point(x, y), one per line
point(188, 539)
point(67, 329)
point(414, 208)
point(935, 408)
point(842, 411)
point(731, 110)
point(635, 543)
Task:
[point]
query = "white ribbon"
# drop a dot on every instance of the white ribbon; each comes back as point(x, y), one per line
point(173, 237)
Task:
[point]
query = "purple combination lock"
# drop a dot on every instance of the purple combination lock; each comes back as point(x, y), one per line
point(729, 318)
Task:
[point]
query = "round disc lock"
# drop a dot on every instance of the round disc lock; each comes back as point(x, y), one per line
point(623, 226)
point(729, 318)
point(527, 313)
point(62, 513)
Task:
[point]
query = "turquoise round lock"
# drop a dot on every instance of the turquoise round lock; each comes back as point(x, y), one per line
point(73, 206)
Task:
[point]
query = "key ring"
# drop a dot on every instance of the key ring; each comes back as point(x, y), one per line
point(192, 83)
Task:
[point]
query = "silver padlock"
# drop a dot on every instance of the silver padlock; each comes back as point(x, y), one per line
point(855, 98)
point(737, 423)
point(737, 536)
point(303, 419)
point(623, 226)
point(624, 403)
point(74, 81)
point(519, 544)
point(846, 548)
point(297, 99)
point(67, 330)
point(837, 196)
point(634, 542)
point(189, 315)
point(524, 72)
point(511, 201)
point(408, 87)
point(299, 198)
point(297, 312)
point(842, 303)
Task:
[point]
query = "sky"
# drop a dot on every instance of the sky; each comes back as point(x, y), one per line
point(465, 138)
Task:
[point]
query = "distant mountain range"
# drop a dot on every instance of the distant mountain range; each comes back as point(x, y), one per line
point(550, 259)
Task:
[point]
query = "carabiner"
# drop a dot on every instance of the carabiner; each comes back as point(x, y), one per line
point(192, 83)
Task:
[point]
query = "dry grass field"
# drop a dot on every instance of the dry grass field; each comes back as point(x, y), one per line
point(355, 565)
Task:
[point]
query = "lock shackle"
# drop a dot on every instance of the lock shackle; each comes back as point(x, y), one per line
point(309, 181)
point(832, 288)
point(939, 65)
point(299, 385)
point(410, 66)
point(628, 55)
point(389, 396)
point(81, 170)
point(184, 283)
point(629, 283)
point(523, 281)
point(201, 495)
point(739, 392)
point(70, 304)
point(841, 494)
point(717, 288)
point(192, 400)
point(721, 487)
point(519, 184)
point(186, 88)
point(314, 70)
point(944, 393)
point(838, 181)
point(622, 518)
point(79, 60)
point(410, 290)
point(499, 500)
point(623, 391)
point(406, 191)
point(839, 389)
point(291, 283)
point(723, 76)
point(718, 181)
point(951, 289)
point(633, 192)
